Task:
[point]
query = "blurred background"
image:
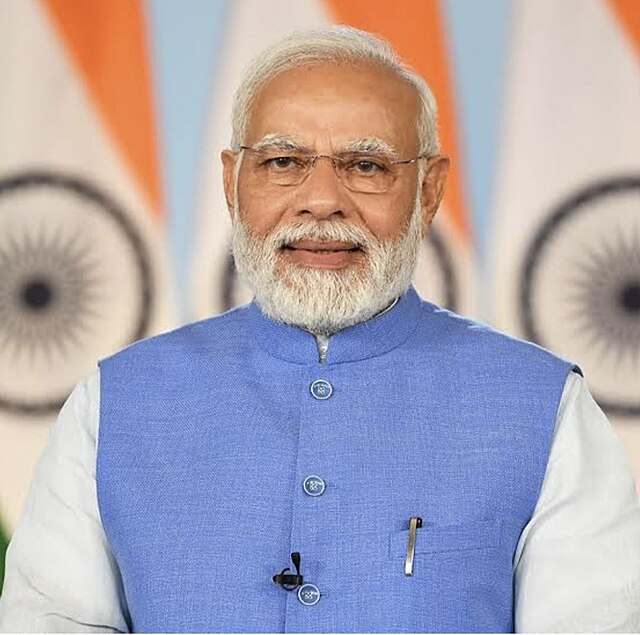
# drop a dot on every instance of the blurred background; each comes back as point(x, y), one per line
point(112, 219)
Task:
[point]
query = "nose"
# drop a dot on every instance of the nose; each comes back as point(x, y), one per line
point(322, 193)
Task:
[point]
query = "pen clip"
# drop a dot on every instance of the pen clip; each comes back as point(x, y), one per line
point(415, 522)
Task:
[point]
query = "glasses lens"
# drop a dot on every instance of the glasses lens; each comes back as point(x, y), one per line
point(281, 168)
point(366, 173)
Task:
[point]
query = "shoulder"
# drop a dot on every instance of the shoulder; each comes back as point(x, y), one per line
point(211, 336)
point(475, 343)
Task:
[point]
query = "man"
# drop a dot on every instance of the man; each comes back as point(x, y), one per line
point(338, 455)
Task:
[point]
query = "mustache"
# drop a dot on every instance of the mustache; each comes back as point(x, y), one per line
point(326, 232)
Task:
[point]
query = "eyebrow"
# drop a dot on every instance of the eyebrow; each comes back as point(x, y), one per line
point(288, 143)
point(275, 141)
point(371, 144)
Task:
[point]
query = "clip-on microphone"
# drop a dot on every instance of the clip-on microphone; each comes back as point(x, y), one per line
point(290, 581)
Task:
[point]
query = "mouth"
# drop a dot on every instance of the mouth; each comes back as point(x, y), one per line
point(322, 246)
point(323, 254)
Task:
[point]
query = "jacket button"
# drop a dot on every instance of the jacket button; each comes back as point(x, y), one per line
point(313, 485)
point(321, 389)
point(309, 594)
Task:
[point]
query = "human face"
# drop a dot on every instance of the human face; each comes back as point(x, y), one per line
point(329, 109)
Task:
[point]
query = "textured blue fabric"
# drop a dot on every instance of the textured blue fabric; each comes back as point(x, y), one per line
point(208, 433)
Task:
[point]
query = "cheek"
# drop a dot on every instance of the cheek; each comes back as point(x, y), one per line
point(259, 212)
point(389, 221)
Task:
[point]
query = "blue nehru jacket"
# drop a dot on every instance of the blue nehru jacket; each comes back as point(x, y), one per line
point(226, 445)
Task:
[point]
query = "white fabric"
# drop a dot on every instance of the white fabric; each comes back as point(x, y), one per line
point(577, 564)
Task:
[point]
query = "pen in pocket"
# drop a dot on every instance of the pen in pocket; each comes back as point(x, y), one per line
point(415, 522)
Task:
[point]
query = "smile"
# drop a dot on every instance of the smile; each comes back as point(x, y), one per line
point(322, 247)
point(325, 255)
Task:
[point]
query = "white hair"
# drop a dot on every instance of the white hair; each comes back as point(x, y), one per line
point(337, 43)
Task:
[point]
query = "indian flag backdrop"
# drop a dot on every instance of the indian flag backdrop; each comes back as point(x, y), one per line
point(415, 29)
point(567, 233)
point(83, 270)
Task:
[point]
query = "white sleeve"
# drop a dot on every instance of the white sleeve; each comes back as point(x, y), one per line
point(577, 565)
point(60, 573)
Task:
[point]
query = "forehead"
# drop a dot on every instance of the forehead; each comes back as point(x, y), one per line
point(330, 105)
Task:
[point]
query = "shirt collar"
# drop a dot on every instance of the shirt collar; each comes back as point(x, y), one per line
point(375, 336)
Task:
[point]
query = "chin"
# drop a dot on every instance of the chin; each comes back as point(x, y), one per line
point(320, 300)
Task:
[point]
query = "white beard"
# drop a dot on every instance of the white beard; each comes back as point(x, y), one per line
point(324, 301)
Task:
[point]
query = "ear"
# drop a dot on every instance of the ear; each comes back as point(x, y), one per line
point(435, 177)
point(229, 159)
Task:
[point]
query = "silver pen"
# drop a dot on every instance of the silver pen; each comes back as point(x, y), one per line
point(415, 522)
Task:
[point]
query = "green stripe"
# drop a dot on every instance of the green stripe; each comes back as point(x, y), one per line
point(4, 542)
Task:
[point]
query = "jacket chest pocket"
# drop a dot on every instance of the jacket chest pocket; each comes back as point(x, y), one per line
point(461, 579)
point(459, 538)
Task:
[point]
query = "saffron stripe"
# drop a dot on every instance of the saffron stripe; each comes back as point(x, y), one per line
point(106, 39)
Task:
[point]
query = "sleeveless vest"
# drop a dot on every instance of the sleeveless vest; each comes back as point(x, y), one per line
point(209, 434)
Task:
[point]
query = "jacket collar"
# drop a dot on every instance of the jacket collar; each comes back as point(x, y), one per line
point(380, 334)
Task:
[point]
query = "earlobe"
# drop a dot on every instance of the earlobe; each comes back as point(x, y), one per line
point(433, 188)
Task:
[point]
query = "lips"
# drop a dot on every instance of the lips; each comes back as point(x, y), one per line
point(322, 254)
point(321, 246)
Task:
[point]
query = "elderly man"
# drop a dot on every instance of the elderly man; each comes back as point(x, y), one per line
point(338, 455)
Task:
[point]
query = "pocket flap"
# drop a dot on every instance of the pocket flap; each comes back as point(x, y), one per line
point(432, 538)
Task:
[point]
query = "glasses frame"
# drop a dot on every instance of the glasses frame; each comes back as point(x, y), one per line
point(336, 161)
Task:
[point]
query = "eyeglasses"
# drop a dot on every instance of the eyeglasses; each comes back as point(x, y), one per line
point(359, 172)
